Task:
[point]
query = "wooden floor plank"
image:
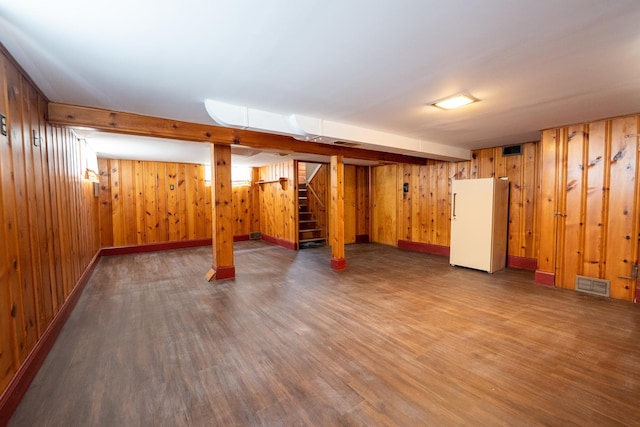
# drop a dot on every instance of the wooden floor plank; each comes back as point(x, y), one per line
point(399, 338)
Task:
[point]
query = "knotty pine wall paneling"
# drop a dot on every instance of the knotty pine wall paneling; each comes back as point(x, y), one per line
point(571, 204)
point(423, 214)
point(18, 127)
point(138, 206)
point(12, 319)
point(319, 206)
point(384, 211)
point(443, 228)
point(35, 113)
point(255, 200)
point(590, 195)
point(593, 256)
point(242, 209)
point(349, 204)
point(523, 204)
point(49, 218)
point(278, 202)
point(550, 156)
point(362, 203)
point(405, 220)
point(623, 233)
point(357, 208)
point(433, 204)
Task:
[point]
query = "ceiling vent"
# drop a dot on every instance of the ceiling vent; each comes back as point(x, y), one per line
point(346, 143)
point(592, 286)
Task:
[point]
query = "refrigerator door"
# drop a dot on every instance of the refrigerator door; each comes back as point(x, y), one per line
point(472, 223)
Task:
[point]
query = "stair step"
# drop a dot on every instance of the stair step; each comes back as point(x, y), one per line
point(306, 221)
point(308, 230)
point(302, 197)
point(318, 239)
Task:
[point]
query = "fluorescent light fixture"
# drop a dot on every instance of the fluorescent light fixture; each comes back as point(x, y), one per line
point(455, 101)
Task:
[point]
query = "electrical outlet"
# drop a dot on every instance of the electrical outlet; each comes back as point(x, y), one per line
point(3, 124)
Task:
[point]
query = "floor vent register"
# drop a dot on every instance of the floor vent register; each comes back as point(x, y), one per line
point(592, 286)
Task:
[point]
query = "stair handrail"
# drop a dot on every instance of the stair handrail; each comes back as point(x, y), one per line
point(309, 187)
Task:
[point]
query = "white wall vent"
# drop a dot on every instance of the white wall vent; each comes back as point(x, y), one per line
point(592, 286)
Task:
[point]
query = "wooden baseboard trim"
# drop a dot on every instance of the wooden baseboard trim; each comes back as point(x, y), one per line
point(223, 272)
point(19, 384)
point(545, 278)
point(523, 263)
point(362, 238)
point(153, 247)
point(338, 263)
point(427, 248)
point(280, 242)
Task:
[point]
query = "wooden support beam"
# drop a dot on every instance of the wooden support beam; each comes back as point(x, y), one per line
point(336, 221)
point(222, 214)
point(136, 124)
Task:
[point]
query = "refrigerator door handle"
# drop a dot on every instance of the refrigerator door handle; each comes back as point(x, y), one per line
point(454, 205)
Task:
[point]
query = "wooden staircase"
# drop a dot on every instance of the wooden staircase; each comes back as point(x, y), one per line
point(309, 234)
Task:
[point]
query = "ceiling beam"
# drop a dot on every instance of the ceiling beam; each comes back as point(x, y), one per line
point(136, 124)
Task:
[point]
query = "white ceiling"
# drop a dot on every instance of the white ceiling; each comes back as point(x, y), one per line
point(534, 64)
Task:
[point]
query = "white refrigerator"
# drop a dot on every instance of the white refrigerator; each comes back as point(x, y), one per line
point(479, 223)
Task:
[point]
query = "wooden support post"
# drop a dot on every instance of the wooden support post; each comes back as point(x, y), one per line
point(222, 214)
point(336, 221)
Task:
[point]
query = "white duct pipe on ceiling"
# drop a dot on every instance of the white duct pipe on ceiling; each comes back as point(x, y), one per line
point(307, 128)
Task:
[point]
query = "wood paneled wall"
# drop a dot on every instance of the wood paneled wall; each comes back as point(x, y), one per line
point(523, 174)
point(423, 213)
point(356, 209)
point(319, 206)
point(138, 206)
point(590, 201)
point(48, 215)
point(384, 210)
point(246, 217)
point(362, 207)
point(278, 201)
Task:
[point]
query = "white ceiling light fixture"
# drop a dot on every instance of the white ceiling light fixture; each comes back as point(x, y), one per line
point(455, 101)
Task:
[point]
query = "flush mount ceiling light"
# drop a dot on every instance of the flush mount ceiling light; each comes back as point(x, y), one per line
point(455, 101)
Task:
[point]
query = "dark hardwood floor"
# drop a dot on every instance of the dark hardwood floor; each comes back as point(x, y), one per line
point(399, 338)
